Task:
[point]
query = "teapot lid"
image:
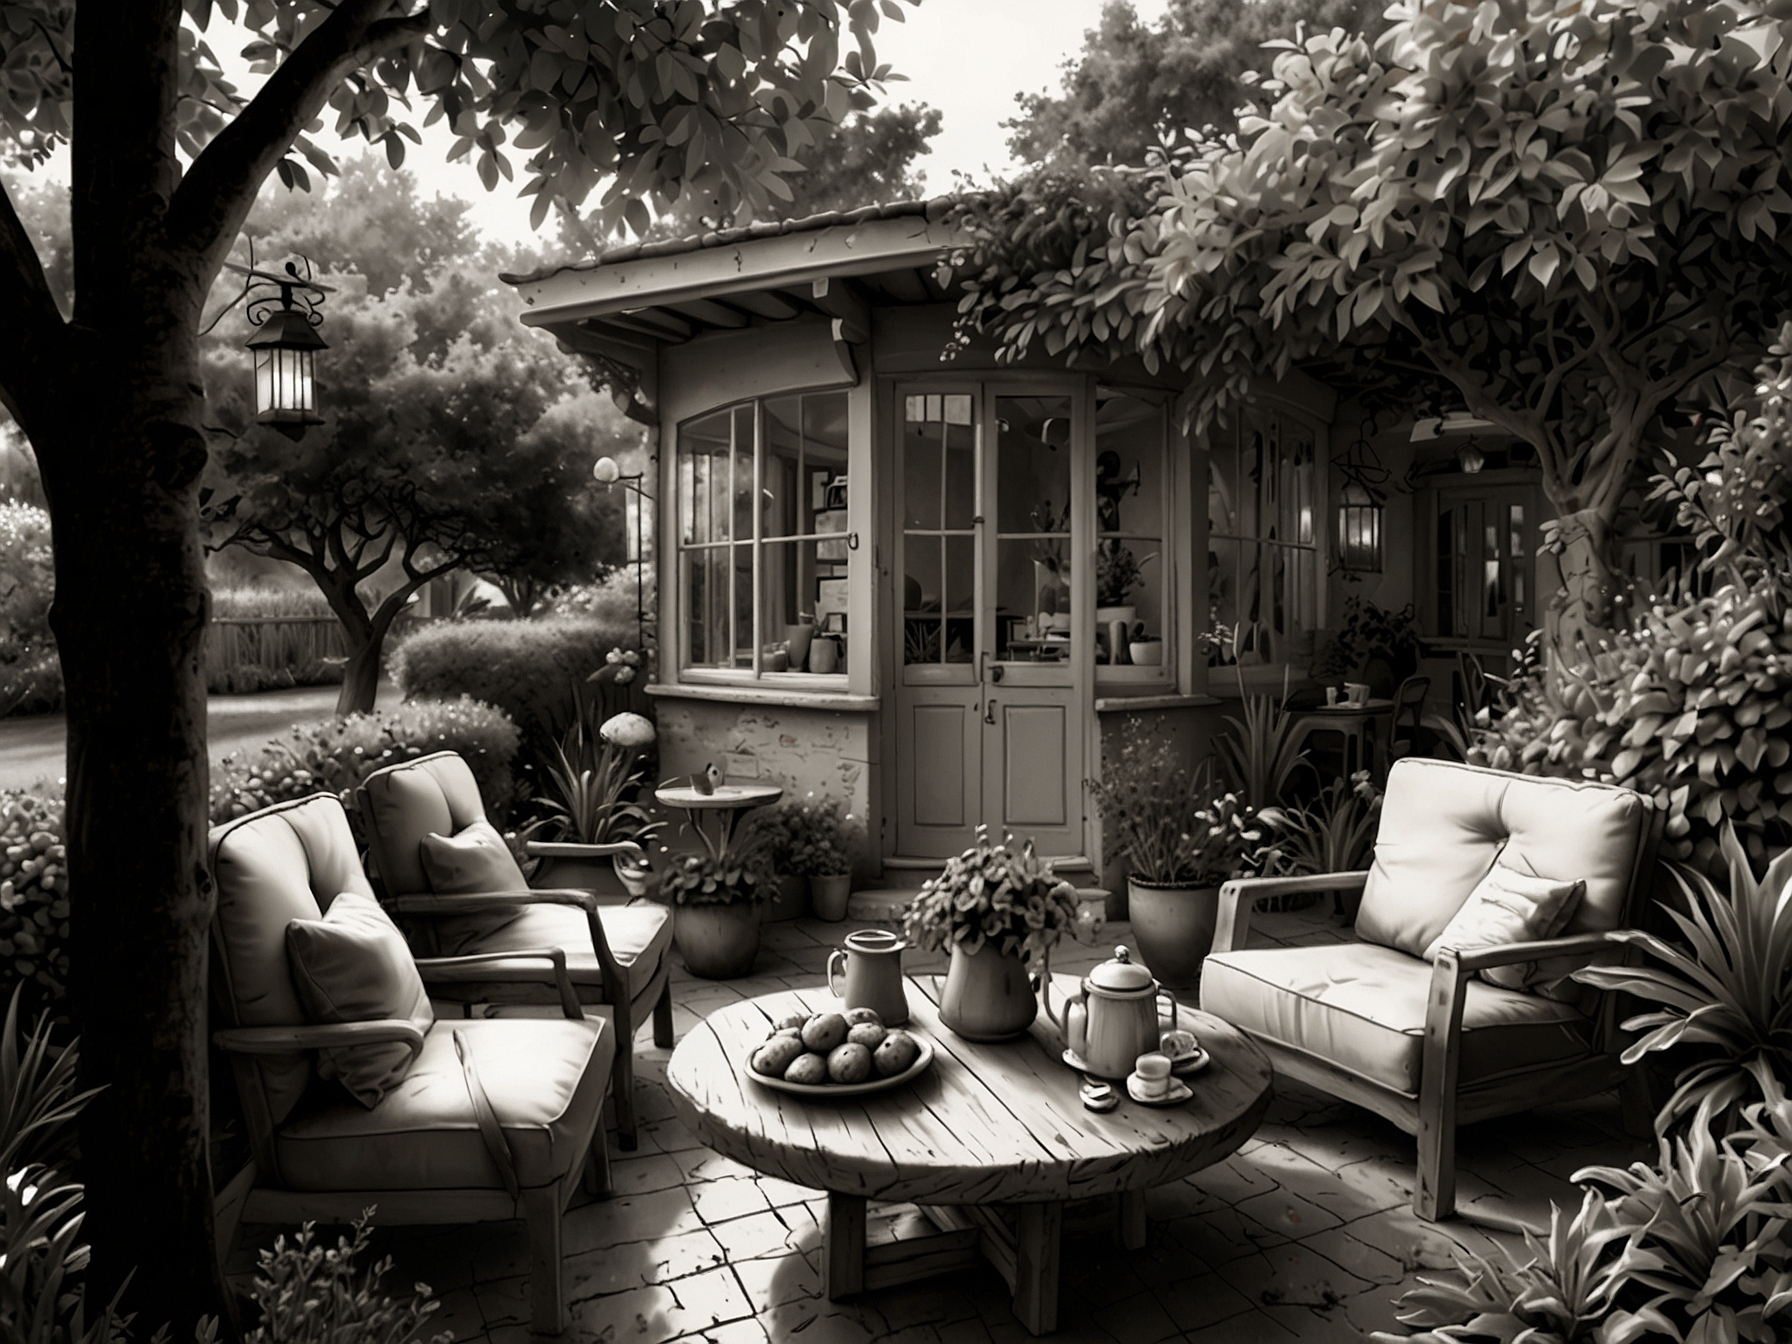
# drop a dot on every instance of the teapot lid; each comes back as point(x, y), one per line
point(1122, 974)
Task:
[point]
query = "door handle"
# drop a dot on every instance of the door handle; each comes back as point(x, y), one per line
point(995, 672)
point(989, 711)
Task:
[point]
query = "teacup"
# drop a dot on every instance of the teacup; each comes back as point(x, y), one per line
point(1356, 692)
point(1331, 696)
point(1152, 1071)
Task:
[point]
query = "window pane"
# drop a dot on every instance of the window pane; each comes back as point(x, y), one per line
point(1129, 466)
point(701, 444)
point(782, 502)
point(921, 468)
point(961, 469)
point(743, 604)
point(1033, 469)
point(743, 474)
point(922, 623)
point(960, 599)
point(705, 578)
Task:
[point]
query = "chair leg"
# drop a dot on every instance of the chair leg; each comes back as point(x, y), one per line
point(547, 1290)
point(597, 1166)
point(622, 1077)
point(662, 1018)
point(1434, 1196)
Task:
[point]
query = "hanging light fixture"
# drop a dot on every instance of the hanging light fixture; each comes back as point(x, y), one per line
point(1359, 530)
point(283, 308)
point(1470, 458)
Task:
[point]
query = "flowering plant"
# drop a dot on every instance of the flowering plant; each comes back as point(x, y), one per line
point(1168, 820)
point(994, 894)
point(810, 837)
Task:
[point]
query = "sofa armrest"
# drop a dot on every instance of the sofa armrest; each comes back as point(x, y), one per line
point(614, 981)
point(296, 1039)
point(569, 849)
point(449, 970)
point(1238, 895)
point(1472, 959)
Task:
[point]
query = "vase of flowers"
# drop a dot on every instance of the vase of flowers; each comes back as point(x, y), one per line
point(999, 910)
point(587, 786)
point(1182, 838)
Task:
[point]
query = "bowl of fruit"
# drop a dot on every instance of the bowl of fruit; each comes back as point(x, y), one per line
point(838, 1054)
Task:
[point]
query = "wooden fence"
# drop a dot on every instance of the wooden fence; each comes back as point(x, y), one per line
point(291, 642)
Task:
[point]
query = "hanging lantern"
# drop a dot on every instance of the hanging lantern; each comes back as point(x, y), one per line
point(285, 346)
point(1470, 458)
point(1359, 531)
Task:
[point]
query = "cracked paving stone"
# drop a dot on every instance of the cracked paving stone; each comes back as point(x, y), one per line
point(611, 1222)
point(660, 1312)
point(772, 1281)
point(1139, 1319)
point(639, 1264)
point(727, 1197)
point(756, 1234)
point(1286, 1212)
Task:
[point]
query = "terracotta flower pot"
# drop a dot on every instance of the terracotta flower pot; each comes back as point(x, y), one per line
point(1173, 927)
point(717, 942)
point(987, 996)
point(829, 895)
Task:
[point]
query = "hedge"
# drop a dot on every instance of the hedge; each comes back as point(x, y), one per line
point(529, 669)
point(337, 754)
point(33, 902)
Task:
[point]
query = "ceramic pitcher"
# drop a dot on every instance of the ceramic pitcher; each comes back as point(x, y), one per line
point(872, 961)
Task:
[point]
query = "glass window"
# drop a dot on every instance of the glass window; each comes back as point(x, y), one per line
point(763, 552)
point(1131, 498)
point(1263, 556)
point(939, 496)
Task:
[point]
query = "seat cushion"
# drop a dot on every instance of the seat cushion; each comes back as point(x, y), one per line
point(640, 936)
point(400, 804)
point(546, 1080)
point(1444, 823)
point(353, 966)
point(1361, 1007)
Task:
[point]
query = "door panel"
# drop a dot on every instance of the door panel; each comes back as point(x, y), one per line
point(1035, 767)
point(942, 743)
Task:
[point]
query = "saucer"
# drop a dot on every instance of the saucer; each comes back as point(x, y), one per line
point(1076, 1062)
point(1186, 1065)
point(1179, 1092)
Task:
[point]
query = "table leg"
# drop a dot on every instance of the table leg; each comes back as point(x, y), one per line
point(1132, 1219)
point(843, 1240)
point(1036, 1265)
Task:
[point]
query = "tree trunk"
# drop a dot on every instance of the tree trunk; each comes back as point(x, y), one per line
point(360, 677)
point(121, 472)
point(1583, 613)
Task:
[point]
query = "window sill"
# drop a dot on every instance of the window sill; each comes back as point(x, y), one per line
point(767, 695)
point(1138, 704)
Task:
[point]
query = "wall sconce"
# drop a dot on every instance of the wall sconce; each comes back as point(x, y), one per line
point(285, 346)
point(1359, 531)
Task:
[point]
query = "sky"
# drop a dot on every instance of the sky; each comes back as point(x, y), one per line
point(967, 58)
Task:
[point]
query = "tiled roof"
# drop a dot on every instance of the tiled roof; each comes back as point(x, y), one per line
point(931, 211)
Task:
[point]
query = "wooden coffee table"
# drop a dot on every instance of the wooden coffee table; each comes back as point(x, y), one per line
point(991, 1142)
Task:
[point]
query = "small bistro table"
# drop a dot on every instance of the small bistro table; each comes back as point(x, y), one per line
point(728, 801)
point(991, 1142)
point(1351, 722)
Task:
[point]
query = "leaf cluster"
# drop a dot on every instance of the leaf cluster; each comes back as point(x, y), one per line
point(307, 1291)
point(1335, 833)
point(998, 895)
point(741, 873)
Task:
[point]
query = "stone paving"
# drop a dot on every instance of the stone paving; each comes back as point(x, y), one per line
point(1305, 1233)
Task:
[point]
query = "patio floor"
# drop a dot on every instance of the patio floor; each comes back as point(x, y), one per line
point(1305, 1233)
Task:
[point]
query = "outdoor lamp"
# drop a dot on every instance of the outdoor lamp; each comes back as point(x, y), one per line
point(282, 307)
point(1359, 531)
point(607, 473)
point(1470, 458)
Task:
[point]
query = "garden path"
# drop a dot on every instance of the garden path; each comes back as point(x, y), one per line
point(1304, 1234)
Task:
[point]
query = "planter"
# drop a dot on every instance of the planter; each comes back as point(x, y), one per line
point(829, 895)
point(798, 638)
point(987, 996)
point(789, 901)
point(1147, 652)
point(717, 942)
point(1106, 616)
point(1173, 927)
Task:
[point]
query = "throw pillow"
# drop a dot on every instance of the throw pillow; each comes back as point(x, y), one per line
point(353, 966)
point(473, 860)
point(1508, 906)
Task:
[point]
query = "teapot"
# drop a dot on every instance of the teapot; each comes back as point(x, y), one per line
point(1112, 1018)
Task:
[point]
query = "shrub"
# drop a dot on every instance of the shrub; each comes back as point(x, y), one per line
point(30, 674)
point(306, 1293)
point(529, 669)
point(337, 754)
point(33, 899)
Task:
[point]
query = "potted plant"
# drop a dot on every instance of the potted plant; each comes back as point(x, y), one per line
point(1382, 645)
point(815, 832)
point(716, 896)
point(1116, 571)
point(999, 910)
point(586, 786)
point(1182, 837)
point(1335, 833)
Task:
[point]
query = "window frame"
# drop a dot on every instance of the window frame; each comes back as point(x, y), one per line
point(1108, 676)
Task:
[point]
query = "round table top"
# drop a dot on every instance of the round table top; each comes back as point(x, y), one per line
point(726, 796)
point(1367, 707)
point(989, 1123)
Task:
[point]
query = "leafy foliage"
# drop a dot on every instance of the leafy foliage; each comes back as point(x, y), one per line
point(587, 785)
point(30, 675)
point(1333, 834)
point(34, 906)
point(809, 838)
point(1260, 753)
point(1369, 632)
point(335, 755)
point(308, 1292)
point(995, 894)
point(1170, 822)
point(743, 873)
point(1727, 992)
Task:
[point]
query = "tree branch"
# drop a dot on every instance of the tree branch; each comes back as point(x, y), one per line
point(33, 336)
point(215, 196)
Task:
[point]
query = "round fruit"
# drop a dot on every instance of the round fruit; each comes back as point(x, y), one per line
point(855, 1016)
point(849, 1063)
point(808, 1068)
point(868, 1034)
point(772, 1058)
point(898, 1051)
point(795, 1020)
point(824, 1031)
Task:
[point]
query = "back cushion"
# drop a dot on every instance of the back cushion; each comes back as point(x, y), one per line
point(353, 966)
point(270, 868)
point(404, 803)
point(1443, 824)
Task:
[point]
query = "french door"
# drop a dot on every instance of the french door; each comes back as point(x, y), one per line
point(994, 509)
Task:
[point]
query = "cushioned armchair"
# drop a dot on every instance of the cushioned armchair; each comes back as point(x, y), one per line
point(433, 850)
point(352, 1093)
point(1453, 1002)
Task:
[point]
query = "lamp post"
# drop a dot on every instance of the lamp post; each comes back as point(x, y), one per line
point(609, 473)
point(282, 306)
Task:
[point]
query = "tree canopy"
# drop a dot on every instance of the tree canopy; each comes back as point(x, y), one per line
point(1570, 213)
point(1135, 83)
